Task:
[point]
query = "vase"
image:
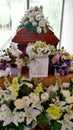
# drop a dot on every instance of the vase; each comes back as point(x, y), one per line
point(38, 67)
point(15, 71)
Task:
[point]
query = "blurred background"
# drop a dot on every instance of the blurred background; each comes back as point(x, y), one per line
point(58, 12)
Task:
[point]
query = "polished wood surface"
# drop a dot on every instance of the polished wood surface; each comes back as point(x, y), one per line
point(47, 81)
point(23, 37)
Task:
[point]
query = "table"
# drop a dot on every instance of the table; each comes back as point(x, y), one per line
point(47, 81)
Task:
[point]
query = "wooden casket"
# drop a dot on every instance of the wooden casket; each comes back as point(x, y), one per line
point(23, 37)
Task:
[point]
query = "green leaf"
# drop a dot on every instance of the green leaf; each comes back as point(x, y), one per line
point(21, 26)
point(10, 104)
point(42, 120)
point(55, 125)
point(23, 91)
point(46, 104)
point(71, 86)
point(12, 126)
point(20, 127)
point(28, 81)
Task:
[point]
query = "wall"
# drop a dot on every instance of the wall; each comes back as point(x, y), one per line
point(67, 31)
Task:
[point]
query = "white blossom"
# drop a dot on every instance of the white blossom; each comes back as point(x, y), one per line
point(39, 30)
point(31, 19)
point(34, 23)
point(69, 99)
point(44, 96)
point(34, 98)
point(26, 100)
point(21, 116)
point(38, 17)
point(66, 93)
point(19, 103)
point(31, 114)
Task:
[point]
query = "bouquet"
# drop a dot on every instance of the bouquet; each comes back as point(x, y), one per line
point(26, 103)
point(71, 66)
point(11, 57)
point(61, 61)
point(61, 57)
point(37, 48)
point(15, 55)
point(34, 21)
point(4, 65)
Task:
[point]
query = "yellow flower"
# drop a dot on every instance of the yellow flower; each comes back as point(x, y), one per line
point(71, 56)
point(15, 86)
point(43, 44)
point(15, 80)
point(38, 89)
point(54, 111)
point(70, 106)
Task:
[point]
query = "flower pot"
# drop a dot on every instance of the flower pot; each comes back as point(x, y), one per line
point(38, 67)
point(15, 71)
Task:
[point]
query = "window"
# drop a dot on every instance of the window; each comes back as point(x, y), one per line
point(11, 12)
point(53, 10)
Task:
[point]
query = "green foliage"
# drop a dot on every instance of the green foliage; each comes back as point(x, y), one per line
point(56, 125)
point(10, 104)
point(43, 120)
point(23, 91)
point(60, 95)
point(13, 127)
point(71, 86)
point(46, 104)
point(21, 26)
point(20, 127)
point(28, 81)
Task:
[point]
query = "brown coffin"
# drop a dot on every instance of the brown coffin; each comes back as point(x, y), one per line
point(23, 37)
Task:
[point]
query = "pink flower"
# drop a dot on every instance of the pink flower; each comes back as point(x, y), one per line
point(56, 58)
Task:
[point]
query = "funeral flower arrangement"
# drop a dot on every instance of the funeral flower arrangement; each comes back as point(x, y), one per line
point(61, 57)
point(10, 57)
point(4, 66)
point(25, 103)
point(34, 21)
point(61, 61)
point(37, 48)
point(71, 66)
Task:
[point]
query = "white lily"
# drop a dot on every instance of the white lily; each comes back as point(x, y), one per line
point(11, 118)
point(31, 114)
